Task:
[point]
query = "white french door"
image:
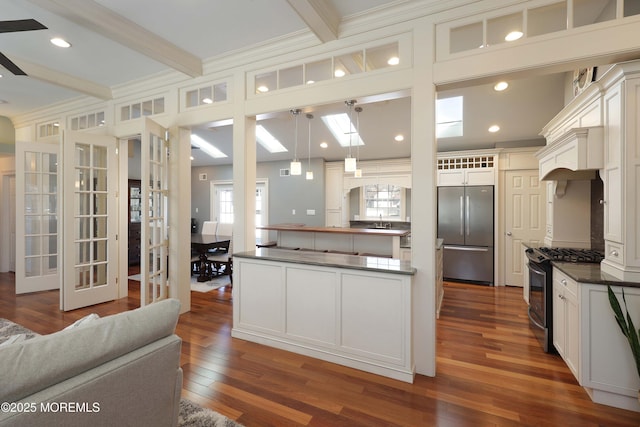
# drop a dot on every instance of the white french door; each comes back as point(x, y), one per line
point(90, 220)
point(154, 247)
point(37, 260)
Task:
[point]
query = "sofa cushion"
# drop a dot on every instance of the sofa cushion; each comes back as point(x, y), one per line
point(40, 362)
point(83, 321)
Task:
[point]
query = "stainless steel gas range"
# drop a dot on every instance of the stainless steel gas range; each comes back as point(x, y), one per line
point(541, 286)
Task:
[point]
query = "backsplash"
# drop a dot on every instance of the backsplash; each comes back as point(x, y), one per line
point(597, 214)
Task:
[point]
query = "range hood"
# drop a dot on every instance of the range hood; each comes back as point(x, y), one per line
point(576, 155)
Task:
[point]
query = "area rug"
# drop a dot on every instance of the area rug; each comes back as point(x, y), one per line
point(215, 283)
point(193, 415)
point(9, 329)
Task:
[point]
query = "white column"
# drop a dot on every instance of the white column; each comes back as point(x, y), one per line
point(423, 208)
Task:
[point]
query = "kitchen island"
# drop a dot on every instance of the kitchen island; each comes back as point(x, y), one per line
point(352, 310)
point(375, 241)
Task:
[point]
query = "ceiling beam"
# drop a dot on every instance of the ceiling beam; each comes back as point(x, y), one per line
point(64, 80)
point(320, 17)
point(116, 27)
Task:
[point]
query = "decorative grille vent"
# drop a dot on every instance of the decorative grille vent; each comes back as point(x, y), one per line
point(466, 162)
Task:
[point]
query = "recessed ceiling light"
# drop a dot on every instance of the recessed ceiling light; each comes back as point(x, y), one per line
point(207, 101)
point(394, 60)
point(399, 137)
point(339, 73)
point(60, 42)
point(494, 128)
point(513, 35)
point(263, 89)
point(500, 86)
point(324, 145)
point(0, 76)
point(310, 82)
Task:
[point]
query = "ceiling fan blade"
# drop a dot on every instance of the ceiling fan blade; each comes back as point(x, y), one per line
point(20, 25)
point(9, 65)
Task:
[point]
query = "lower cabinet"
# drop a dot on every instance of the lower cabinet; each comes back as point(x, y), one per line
point(589, 340)
point(439, 281)
point(566, 320)
point(353, 317)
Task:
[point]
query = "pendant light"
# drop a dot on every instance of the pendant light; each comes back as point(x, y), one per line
point(358, 172)
point(350, 162)
point(296, 166)
point(309, 171)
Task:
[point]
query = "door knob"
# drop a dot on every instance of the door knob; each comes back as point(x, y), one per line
point(508, 233)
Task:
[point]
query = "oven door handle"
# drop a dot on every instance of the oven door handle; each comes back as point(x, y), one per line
point(533, 266)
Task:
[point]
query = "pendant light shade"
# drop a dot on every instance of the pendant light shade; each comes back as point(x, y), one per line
point(350, 162)
point(296, 166)
point(309, 171)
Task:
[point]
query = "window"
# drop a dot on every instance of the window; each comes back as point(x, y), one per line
point(383, 201)
point(225, 205)
point(222, 205)
point(449, 117)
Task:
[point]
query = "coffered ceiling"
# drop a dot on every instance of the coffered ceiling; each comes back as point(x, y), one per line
point(114, 42)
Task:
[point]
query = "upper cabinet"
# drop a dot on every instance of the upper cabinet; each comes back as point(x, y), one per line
point(467, 169)
point(621, 172)
point(598, 130)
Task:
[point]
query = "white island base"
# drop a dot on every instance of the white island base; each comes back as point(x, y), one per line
point(350, 310)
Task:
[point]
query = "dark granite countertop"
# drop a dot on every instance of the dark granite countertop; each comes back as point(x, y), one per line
point(383, 265)
point(590, 273)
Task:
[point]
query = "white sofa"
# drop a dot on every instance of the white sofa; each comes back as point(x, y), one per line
point(118, 370)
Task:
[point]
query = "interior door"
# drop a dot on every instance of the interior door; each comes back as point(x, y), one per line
point(524, 220)
point(37, 267)
point(89, 220)
point(154, 245)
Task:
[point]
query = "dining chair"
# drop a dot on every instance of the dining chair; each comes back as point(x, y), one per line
point(209, 227)
point(222, 263)
point(225, 229)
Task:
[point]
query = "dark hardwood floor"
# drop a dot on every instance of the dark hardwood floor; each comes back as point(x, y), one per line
point(490, 369)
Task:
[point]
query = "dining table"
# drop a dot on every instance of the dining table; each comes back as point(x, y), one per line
point(202, 244)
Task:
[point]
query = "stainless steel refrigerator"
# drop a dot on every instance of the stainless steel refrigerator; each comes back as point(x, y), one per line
point(465, 222)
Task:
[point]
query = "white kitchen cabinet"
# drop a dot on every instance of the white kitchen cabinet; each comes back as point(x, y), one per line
point(621, 172)
point(588, 339)
point(566, 320)
point(613, 168)
point(439, 280)
point(608, 370)
point(466, 170)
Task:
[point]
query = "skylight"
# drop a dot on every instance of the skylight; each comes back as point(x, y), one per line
point(268, 141)
point(206, 147)
point(341, 128)
point(449, 117)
